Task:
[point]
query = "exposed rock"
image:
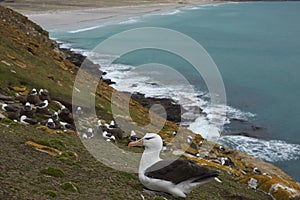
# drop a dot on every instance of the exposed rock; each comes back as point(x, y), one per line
point(82, 61)
point(108, 81)
point(244, 128)
point(237, 134)
point(173, 110)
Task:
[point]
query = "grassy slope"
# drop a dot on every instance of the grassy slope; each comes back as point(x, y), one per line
point(21, 177)
point(27, 59)
point(26, 50)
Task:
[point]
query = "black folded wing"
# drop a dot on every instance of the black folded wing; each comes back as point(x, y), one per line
point(179, 170)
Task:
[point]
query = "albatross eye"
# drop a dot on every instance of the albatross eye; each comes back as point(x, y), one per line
point(149, 138)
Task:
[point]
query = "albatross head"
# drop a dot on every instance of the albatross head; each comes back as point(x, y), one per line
point(23, 117)
point(151, 141)
point(3, 106)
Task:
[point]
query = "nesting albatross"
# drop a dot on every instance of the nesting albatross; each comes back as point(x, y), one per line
point(42, 105)
point(26, 120)
point(177, 178)
point(9, 108)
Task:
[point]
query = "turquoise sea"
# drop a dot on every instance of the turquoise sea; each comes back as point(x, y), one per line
point(256, 46)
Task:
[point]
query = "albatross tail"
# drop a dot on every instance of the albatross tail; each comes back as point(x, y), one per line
point(187, 186)
point(207, 176)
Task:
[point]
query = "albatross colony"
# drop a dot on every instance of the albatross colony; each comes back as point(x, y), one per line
point(175, 177)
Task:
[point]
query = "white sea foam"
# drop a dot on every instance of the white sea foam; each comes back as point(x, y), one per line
point(192, 8)
point(130, 20)
point(234, 113)
point(206, 129)
point(271, 150)
point(86, 29)
point(64, 44)
point(204, 6)
point(172, 12)
point(209, 124)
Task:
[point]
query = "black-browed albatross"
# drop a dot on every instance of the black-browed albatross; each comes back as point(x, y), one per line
point(27, 120)
point(27, 107)
point(134, 137)
point(176, 177)
point(50, 124)
point(9, 108)
point(42, 105)
point(44, 95)
point(33, 97)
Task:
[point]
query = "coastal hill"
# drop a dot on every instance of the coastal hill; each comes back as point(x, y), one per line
point(40, 163)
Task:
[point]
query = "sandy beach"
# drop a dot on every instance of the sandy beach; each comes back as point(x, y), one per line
point(73, 16)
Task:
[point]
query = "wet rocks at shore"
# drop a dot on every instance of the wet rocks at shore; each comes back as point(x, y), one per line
point(83, 62)
point(173, 110)
point(238, 127)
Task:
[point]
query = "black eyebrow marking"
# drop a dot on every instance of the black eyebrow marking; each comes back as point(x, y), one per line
point(149, 138)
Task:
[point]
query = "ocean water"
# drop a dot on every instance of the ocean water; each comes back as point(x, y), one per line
point(256, 47)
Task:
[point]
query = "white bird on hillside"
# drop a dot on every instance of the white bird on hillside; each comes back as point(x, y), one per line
point(106, 135)
point(9, 108)
point(50, 124)
point(42, 105)
point(27, 120)
point(175, 177)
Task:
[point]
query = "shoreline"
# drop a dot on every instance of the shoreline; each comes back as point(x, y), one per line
point(88, 16)
point(85, 19)
point(73, 19)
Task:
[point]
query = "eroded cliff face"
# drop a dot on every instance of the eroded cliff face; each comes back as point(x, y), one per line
point(30, 59)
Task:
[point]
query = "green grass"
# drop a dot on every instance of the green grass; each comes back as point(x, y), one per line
point(55, 143)
point(53, 171)
point(51, 193)
point(71, 187)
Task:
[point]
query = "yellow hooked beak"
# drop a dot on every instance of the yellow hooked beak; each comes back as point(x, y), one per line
point(138, 143)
